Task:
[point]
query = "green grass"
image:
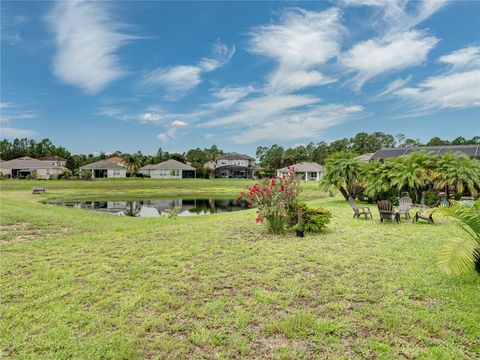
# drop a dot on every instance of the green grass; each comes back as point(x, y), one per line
point(79, 284)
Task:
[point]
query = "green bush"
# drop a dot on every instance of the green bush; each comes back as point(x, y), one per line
point(431, 198)
point(307, 218)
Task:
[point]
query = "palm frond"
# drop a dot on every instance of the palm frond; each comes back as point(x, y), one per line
point(457, 256)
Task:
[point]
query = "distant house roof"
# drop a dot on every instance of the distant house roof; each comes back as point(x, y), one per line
point(116, 160)
point(304, 167)
point(365, 157)
point(52, 158)
point(235, 156)
point(169, 165)
point(27, 163)
point(387, 153)
point(102, 165)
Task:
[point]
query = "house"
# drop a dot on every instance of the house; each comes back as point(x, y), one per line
point(472, 151)
point(365, 158)
point(236, 166)
point(54, 160)
point(26, 166)
point(106, 169)
point(170, 169)
point(308, 171)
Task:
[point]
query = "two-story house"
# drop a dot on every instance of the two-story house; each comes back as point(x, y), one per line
point(54, 160)
point(235, 166)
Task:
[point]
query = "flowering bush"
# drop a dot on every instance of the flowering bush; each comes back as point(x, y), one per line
point(273, 198)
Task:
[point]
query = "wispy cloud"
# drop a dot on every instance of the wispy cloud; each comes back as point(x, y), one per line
point(300, 44)
point(10, 132)
point(87, 40)
point(178, 80)
point(374, 57)
point(457, 87)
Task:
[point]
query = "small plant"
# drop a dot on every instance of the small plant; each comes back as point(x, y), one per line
point(312, 219)
point(273, 198)
point(173, 212)
point(431, 198)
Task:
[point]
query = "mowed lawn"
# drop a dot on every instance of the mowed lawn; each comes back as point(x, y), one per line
point(82, 285)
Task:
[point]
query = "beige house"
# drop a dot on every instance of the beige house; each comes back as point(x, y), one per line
point(307, 171)
point(54, 160)
point(170, 169)
point(106, 169)
point(26, 166)
point(235, 166)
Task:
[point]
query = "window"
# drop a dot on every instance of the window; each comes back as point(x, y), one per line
point(240, 162)
point(48, 171)
point(116, 172)
point(223, 162)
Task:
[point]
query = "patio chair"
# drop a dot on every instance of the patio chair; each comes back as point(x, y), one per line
point(359, 211)
point(387, 212)
point(405, 204)
point(427, 216)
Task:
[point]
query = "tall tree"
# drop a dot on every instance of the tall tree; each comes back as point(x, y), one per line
point(344, 172)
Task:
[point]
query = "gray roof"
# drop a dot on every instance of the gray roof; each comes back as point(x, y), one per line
point(27, 163)
point(304, 167)
point(52, 158)
point(102, 165)
point(169, 165)
point(386, 153)
point(365, 157)
point(235, 156)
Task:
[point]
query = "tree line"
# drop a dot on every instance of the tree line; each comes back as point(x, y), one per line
point(270, 158)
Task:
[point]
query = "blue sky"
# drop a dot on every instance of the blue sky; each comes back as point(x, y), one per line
point(106, 76)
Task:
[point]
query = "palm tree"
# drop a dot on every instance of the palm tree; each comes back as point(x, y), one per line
point(412, 172)
point(458, 255)
point(460, 171)
point(133, 164)
point(377, 178)
point(344, 172)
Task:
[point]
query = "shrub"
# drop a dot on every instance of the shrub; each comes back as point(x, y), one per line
point(273, 198)
point(431, 198)
point(307, 218)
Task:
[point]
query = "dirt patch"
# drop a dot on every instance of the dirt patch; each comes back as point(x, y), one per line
point(23, 232)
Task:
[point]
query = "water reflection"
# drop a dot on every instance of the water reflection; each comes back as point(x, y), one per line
point(160, 207)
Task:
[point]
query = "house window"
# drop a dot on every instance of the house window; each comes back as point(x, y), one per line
point(223, 162)
point(116, 172)
point(48, 171)
point(240, 162)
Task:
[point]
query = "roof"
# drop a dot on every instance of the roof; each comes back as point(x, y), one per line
point(148, 167)
point(116, 160)
point(235, 156)
point(169, 165)
point(304, 167)
point(52, 158)
point(364, 157)
point(102, 165)
point(27, 163)
point(386, 153)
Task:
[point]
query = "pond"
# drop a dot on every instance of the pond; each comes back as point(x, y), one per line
point(159, 207)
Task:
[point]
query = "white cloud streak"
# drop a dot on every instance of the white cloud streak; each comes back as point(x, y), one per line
point(300, 44)
point(9, 132)
point(87, 41)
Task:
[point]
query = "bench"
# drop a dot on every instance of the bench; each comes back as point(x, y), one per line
point(38, 189)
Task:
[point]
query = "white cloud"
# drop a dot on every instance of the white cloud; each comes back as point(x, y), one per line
point(9, 132)
point(301, 43)
point(394, 85)
point(298, 125)
point(458, 87)
point(168, 135)
point(87, 41)
point(451, 90)
point(149, 117)
point(4, 120)
point(375, 57)
point(229, 95)
point(179, 123)
point(465, 58)
point(178, 80)
point(261, 109)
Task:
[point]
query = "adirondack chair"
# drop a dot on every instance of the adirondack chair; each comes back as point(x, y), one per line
point(424, 216)
point(38, 189)
point(405, 204)
point(387, 212)
point(359, 211)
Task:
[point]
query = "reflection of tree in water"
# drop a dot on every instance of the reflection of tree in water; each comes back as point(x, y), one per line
point(217, 205)
point(133, 209)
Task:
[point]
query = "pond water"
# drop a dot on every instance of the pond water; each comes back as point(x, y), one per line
point(160, 207)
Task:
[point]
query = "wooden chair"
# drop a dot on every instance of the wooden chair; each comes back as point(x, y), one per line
point(405, 204)
point(359, 211)
point(38, 189)
point(424, 216)
point(387, 212)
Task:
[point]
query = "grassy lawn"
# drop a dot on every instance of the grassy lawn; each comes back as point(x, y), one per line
point(79, 284)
